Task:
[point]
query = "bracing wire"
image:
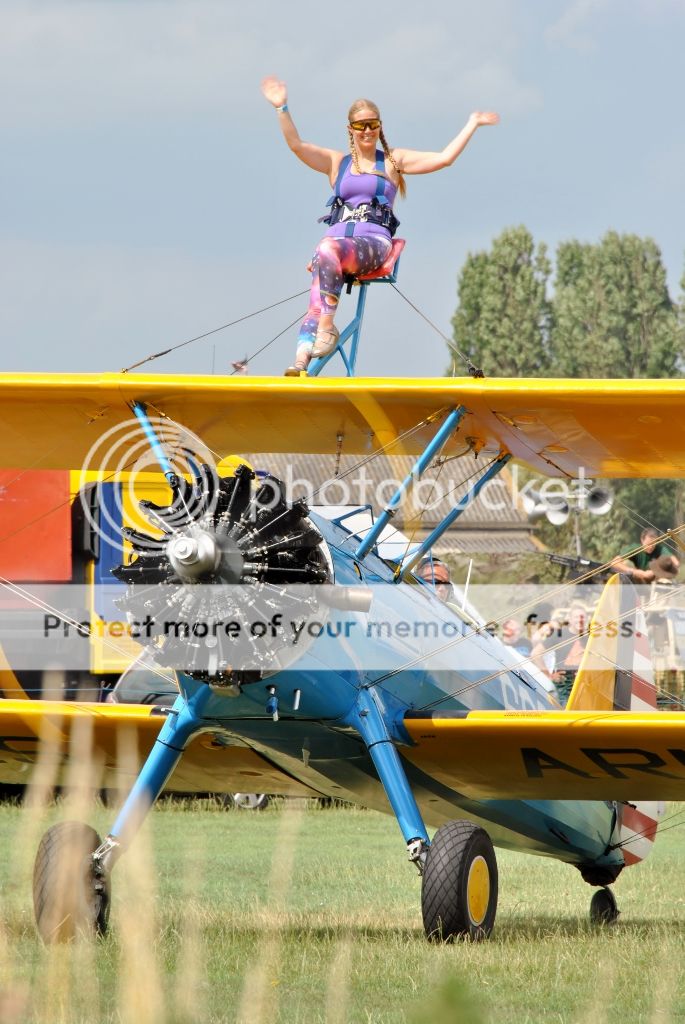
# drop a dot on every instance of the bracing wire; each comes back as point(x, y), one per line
point(451, 644)
point(215, 330)
point(474, 371)
point(28, 596)
point(80, 627)
point(508, 668)
point(270, 342)
point(651, 830)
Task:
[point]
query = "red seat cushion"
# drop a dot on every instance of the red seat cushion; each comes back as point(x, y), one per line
point(386, 269)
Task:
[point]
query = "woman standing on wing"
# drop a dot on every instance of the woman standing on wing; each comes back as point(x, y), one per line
point(361, 221)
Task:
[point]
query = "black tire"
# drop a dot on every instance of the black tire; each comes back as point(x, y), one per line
point(603, 907)
point(68, 899)
point(459, 885)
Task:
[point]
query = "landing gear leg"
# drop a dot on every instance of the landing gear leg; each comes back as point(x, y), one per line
point(367, 718)
point(71, 887)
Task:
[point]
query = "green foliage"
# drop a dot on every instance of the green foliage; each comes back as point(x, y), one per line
point(681, 313)
point(637, 504)
point(613, 316)
point(502, 323)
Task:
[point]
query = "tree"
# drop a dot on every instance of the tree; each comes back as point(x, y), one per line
point(636, 504)
point(681, 314)
point(613, 316)
point(503, 318)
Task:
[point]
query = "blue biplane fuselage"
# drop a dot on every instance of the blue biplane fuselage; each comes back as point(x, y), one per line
point(345, 736)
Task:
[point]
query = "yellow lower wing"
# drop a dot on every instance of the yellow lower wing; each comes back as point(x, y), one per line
point(545, 755)
point(107, 743)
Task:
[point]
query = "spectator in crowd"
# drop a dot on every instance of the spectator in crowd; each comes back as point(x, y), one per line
point(514, 636)
point(655, 560)
point(545, 635)
point(572, 641)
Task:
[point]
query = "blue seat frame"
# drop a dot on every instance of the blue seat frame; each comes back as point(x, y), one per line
point(352, 332)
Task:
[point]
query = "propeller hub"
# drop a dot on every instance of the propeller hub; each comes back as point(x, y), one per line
point(193, 557)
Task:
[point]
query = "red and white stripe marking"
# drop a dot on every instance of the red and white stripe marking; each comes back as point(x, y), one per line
point(638, 830)
point(643, 691)
point(639, 821)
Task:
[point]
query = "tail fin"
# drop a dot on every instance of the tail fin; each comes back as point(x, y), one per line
point(616, 675)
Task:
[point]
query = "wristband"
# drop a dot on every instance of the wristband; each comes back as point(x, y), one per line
point(282, 110)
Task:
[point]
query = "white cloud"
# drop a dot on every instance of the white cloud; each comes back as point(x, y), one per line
point(574, 28)
point(77, 62)
point(72, 61)
point(651, 8)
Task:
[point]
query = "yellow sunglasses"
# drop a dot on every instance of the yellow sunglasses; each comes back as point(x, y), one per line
point(360, 126)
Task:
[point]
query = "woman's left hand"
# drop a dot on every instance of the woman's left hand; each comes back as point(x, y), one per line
point(484, 117)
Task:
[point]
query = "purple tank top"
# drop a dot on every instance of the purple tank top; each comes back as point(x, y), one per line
point(356, 189)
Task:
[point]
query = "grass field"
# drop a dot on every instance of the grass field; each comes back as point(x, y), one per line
point(307, 914)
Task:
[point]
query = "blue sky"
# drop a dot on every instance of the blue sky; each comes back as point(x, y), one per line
point(147, 197)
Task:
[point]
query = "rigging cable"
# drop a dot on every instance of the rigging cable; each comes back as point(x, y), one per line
point(215, 330)
point(474, 632)
point(80, 627)
point(474, 371)
point(259, 351)
point(511, 668)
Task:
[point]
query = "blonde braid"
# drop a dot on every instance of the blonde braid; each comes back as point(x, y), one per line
point(353, 150)
point(401, 186)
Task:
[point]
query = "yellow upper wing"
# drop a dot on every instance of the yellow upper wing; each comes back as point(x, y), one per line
point(58, 742)
point(614, 428)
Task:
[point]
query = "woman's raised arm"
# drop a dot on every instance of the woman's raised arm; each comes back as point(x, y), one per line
point(326, 161)
point(412, 161)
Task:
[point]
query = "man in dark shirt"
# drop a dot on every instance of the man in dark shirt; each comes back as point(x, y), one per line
point(656, 559)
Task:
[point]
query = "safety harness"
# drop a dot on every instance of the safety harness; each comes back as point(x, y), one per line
point(378, 211)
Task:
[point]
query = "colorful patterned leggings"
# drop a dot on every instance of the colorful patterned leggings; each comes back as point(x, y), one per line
point(335, 257)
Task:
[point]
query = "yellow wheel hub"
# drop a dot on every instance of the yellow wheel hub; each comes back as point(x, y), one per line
point(478, 890)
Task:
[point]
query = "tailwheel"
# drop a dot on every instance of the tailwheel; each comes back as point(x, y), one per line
point(603, 907)
point(250, 801)
point(70, 897)
point(459, 885)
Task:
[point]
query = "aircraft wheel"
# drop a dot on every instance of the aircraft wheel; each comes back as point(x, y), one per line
point(68, 898)
point(250, 801)
point(459, 885)
point(603, 907)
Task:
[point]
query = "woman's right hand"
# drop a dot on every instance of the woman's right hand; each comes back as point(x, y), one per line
point(484, 117)
point(274, 91)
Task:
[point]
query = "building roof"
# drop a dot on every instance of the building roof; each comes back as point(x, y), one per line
point(493, 523)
